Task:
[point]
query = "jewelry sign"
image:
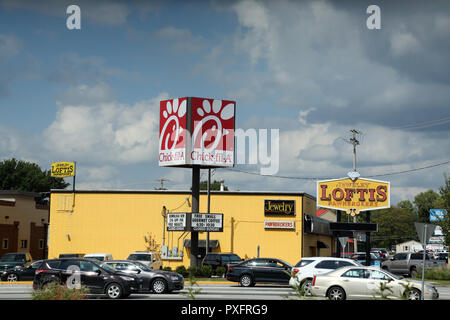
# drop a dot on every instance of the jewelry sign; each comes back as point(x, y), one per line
point(200, 222)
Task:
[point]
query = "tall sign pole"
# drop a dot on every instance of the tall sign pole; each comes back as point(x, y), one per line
point(196, 133)
point(209, 207)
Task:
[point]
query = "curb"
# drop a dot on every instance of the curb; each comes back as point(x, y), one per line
point(186, 282)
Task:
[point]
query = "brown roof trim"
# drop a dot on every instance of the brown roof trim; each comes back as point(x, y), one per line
point(7, 203)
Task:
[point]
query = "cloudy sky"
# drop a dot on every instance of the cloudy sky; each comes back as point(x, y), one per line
point(311, 69)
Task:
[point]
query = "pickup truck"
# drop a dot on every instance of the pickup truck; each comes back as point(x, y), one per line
point(408, 263)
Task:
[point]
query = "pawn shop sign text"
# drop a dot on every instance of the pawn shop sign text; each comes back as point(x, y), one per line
point(361, 194)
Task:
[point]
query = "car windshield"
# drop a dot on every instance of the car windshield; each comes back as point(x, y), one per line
point(303, 263)
point(142, 266)
point(288, 264)
point(142, 257)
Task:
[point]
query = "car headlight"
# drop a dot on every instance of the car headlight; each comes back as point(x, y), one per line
point(127, 278)
point(174, 278)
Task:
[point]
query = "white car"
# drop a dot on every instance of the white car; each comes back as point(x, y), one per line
point(150, 259)
point(366, 283)
point(303, 272)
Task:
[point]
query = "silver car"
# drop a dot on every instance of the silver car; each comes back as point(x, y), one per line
point(369, 283)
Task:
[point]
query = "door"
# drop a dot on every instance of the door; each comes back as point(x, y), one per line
point(398, 263)
point(355, 283)
point(91, 276)
point(379, 285)
point(260, 270)
point(28, 272)
point(326, 266)
point(280, 273)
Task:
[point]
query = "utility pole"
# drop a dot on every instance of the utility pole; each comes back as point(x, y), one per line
point(161, 183)
point(355, 142)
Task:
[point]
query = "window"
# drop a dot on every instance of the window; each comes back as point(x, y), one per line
point(53, 264)
point(327, 264)
point(23, 244)
point(257, 263)
point(378, 275)
point(5, 243)
point(303, 263)
point(69, 263)
point(356, 273)
point(87, 266)
point(142, 257)
point(344, 264)
point(419, 256)
point(225, 259)
point(36, 265)
point(41, 243)
point(400, 256)
point(234, 257)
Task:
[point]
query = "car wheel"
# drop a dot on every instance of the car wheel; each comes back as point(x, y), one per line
point(306, 286)
point(413, 272)
point(336, 293)
point(414, 294)
point(246, 280)
point(12, 277)
point(114, 291)
point(159, 286)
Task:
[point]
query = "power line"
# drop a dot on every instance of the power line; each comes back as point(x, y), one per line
point(326, 178)
point(425, 124)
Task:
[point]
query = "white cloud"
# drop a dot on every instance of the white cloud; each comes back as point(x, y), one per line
point(10, 46)
point(106, 132)
point(404, 43)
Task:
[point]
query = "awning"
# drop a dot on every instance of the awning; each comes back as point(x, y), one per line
point(322, 245)
point(202, 243)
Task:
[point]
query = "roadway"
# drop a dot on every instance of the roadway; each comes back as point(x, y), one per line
point(208, 291)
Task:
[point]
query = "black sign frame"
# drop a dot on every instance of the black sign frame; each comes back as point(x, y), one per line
point(268, 202)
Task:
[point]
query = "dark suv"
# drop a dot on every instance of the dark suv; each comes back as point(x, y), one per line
point(221, 259)
point(98, 278)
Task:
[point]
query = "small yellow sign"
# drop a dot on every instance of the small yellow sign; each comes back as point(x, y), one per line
point(353, 196)
point(63, 169)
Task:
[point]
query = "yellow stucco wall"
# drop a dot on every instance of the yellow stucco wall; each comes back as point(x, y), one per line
point(117, 222)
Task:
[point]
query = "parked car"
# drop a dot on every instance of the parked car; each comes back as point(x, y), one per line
point(384, 254)
point(408, 263)
point(16, 259)
point(221, 259)
point(365, 283)
point(375, 259)
point(97, 278)
point(259, 270)
point(303, 272)
point(20, 273)
point(157, 281)
point(99, 256)
point(150, 259)
point(71, 255)
point(443, 257)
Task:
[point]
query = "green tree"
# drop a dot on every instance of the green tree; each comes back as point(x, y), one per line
point(424, 202)
point(395, 225)
point(214, 185)
point(443, 202)
point(27, 176)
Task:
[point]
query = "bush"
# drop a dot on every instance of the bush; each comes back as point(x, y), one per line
point(220, 271)
point(436, 273)
point(182, 270)
point(195, 271)
point(167, 269)
point(55, 291)
point(206, 271)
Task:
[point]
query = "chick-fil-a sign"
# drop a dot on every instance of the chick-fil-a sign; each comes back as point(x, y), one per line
point(197, 131)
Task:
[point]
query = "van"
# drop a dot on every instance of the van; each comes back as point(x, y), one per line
point(99, 256)
point(151, 259)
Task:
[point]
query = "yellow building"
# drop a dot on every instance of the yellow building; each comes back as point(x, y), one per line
point(268, 224)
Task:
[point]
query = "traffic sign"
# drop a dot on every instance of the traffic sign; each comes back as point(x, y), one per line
point(421, 227)
point(437, 214)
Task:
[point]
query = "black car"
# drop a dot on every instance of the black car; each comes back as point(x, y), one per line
point(260, 270)
point(221, 259)
point(99, 279)
point(14, 259)
point(156, 281)
point(21, 273)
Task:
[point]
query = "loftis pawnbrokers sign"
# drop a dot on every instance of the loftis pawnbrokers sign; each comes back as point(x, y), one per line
point(353, 196)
